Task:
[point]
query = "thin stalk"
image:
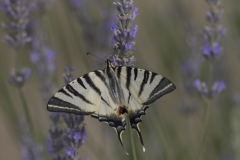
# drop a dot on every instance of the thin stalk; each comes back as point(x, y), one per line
point(206, 117)
point(26, 111)
point(134, 154)
point(204, 133)
point(189, 128)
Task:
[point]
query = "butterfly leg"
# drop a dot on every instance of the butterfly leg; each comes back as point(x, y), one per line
point(135, 120)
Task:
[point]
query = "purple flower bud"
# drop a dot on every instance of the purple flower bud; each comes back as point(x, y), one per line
point(77, 136)
point(201, 87)
point(135, 13)
point(211, 51)
point(216, 48)
point(133, 31)
point(217, 88)
point(19, 78)
point(128, 46)
point(70, 152)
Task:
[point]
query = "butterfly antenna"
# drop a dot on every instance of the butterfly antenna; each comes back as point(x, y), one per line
point(95, 56)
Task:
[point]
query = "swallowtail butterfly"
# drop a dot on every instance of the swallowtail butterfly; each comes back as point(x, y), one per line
point(109, 94)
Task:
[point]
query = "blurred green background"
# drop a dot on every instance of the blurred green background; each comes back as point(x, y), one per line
point(160, 47)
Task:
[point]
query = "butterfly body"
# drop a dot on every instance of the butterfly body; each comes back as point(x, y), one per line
point(110, 94)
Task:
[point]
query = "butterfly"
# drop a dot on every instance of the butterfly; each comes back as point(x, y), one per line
point(110, 94)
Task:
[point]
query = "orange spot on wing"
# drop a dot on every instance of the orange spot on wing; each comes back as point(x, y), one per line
point(118, 111)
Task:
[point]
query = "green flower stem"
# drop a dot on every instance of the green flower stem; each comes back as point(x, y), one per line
point(190, 133)
point(26, 111)
point(134, 154)
point(204, 132)
point(206, 115)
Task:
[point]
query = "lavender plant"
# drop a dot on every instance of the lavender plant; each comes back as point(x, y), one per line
point(17, 12)
point(124, 40)
point(190, 67)
point(75, 134)
point(29, 149)
point(212, 35)
point(124, 35)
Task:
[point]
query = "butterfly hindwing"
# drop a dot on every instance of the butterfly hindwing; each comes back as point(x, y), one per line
point(141, 88)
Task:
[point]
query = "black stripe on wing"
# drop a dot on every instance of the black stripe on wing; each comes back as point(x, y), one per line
point(99, 75)
point(135, 73)
point(164, 86)
point(129, 74)
point(64, 92)
point(119, 70)
point(79, 80)
point(152, 77)
point(91, 84)
point(58, 105)
point(144, 81)
point(77, 94)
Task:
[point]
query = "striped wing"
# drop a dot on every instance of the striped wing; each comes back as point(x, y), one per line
point(81, 96)
point(141, 88)
point(89, 95)
point(144, 86)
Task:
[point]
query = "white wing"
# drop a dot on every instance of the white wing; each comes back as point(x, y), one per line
point(81, 96)
point(144, 86)
point(89, 95)
point(141, 88)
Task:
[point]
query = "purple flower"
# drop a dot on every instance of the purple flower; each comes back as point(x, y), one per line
point(217, 88)
point(19, 78)
point(135, 13)
point(211, 51)
point(128, 46)
point(70, 152)
point(201, 87)
point(133, 31)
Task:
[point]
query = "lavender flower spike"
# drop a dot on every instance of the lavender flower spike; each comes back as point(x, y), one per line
point(17, 12)
point(75, 135)
point(124, 37)
point(213, 33)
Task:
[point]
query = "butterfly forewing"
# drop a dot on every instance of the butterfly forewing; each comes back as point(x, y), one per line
point(145, 86)
point(81, 96)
